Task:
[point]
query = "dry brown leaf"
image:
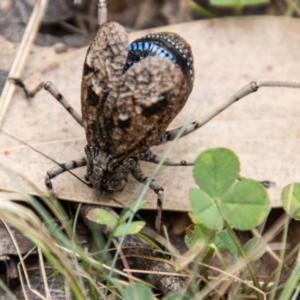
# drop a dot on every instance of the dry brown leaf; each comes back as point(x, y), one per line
point(263, 129)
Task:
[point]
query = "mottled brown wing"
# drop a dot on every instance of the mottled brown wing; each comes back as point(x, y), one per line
point(148, 97)
point(124, 114)
point(103, 68)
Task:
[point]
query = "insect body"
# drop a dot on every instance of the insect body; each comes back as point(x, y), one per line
point(129, 96)
point(128, 99)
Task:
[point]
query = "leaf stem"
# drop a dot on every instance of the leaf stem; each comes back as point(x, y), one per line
point(244, 255)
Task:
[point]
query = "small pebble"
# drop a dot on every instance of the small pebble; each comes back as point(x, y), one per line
point(60, 48)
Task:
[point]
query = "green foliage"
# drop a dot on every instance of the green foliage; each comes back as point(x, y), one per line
point(290, 198)
point(237, 5)
point(177, 297)
point(137, 291)
point(225, 242)
point(103, 217)
point(222, 202)
point(291, 289)
point(215, 171)
point(133, 228)
point(200, 10)
point(199, 232)
point(243, 205)
point(205, 210)
point(126, 215)
point(255, 248)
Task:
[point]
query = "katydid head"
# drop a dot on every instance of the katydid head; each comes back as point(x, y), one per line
point(104, 173)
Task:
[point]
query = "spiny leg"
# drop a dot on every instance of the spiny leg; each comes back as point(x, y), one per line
point(243, 92)
point(28, 94)
point(48, 86)
point(61, 168)
point(149, 156)
point(139, 176)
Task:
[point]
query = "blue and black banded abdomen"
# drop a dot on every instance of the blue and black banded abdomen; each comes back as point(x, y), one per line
point(168, 45)
point(143, 49)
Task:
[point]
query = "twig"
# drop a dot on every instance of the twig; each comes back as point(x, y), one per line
point(20, 60)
